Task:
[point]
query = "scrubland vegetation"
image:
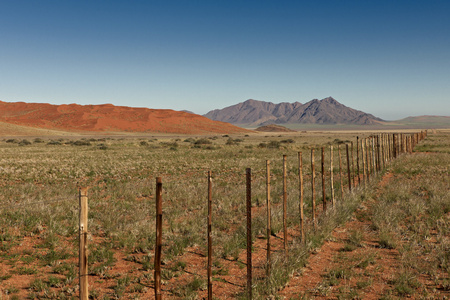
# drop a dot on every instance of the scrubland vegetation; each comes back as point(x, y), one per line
point(39, 184)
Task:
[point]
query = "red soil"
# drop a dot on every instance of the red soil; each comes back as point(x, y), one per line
point(110, 118)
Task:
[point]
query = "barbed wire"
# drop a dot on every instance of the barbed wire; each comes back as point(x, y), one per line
point(13, 206)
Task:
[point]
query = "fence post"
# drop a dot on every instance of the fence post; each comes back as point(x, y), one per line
point(385, 149)
point(285, 206)
point(353, 166)
point(394, 145)
point(348, 170)
point(374, 157)
point(324, 196)
point(313, 189)
point(209, 271)
point(389, 140)
point(367, 158)
point(158, 246)
point(357, 160)
point(401, 143)
point(83, 230)
point(249, 232)
point(404, 143)
point(340, 172)
point(378, 152)
point(363, 162)
point(300, 175)
point(331, 175)
point(269, 227)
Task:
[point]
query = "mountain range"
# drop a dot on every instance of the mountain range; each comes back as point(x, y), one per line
point(20, 118)
point(258, 113)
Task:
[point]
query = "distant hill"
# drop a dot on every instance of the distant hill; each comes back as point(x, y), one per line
point(109, 118)
point(424, 122)
point(273, 128)
point(259, 113)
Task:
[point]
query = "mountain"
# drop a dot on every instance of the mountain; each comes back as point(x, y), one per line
point(325, 111)
point(425, 122)
point(109, 118)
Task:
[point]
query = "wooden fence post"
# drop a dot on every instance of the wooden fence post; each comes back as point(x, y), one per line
point(269, 226)
point(285, 206)
point(300, 175)
point(378, 152)
point(394, 145)
point(390, 151)
point(404, 143)
point(158, 246)
point(249, 232)
point(313, 189)
point(83, 230)
point(331, 176)
point(410, 144)
point(209, 272)
point(374, 157)
point(348, 170)
point(401, 143)
point(324, 196)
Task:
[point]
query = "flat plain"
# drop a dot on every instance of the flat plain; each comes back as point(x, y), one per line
point(404, 212)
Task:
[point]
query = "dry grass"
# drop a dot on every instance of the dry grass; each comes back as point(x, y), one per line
point(39, 237)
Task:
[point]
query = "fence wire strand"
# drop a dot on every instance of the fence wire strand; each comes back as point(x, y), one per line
point(13, 206)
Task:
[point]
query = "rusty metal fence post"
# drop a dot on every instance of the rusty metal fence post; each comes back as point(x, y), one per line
point(340, 172)
point(324, 196)
point(331, 176)
point(348, 170)
point(158, 246)
point(269, 215)
point(300, 175)
point(285, 235)
point(249, 232)
point(209, 271)
point(313, 189)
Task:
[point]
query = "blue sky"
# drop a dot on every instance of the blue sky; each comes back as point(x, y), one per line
point(388, 58)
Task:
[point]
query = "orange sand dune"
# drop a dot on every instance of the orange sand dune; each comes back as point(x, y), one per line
point(110, 118)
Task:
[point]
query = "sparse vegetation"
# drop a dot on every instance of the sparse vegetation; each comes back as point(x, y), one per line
point(121, 213)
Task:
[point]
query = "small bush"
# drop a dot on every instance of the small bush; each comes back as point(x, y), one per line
point(387, 241)
point(81, 143)
point(231, 141)
point(191, 288)
point(203, 142)
point(288, 141)
point(189, 140)
point(24, 143)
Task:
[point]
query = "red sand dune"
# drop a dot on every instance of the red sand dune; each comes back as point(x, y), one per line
point(110, 118)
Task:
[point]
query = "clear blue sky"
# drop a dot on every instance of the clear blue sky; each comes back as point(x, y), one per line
point(388, 58)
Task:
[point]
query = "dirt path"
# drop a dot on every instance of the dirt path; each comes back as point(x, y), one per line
point(350, 264)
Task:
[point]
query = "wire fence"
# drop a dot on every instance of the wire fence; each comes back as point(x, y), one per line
point(263, 236)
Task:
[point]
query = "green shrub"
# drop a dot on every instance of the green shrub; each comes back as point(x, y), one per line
point(203, 142)
point(81, 143)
